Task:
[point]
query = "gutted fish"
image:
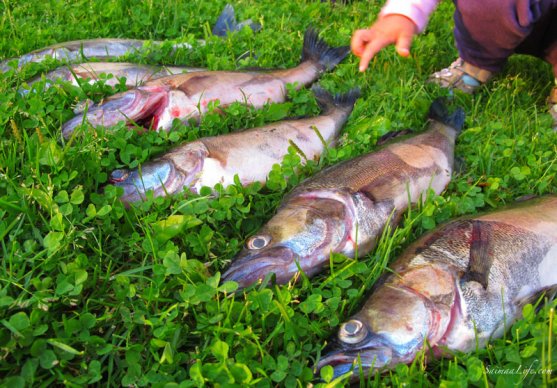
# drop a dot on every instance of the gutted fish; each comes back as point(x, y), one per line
point(344, 208)
point(456, 287)
point(105, 49)
point(91, 72)
point(250, 154)
point(187, 96)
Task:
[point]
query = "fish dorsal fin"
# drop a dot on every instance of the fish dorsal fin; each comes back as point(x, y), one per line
point(393, 135)
point(479, 263)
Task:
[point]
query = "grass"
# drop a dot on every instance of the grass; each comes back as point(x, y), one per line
point(94, 293)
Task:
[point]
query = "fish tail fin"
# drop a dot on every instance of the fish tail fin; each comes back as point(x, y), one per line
point(317, 50)
point(327, 101)
point(438, 111)
point(227, 22)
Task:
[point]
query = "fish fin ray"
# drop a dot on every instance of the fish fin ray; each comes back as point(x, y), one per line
point(327, 101)
point(227, 23)
point(315, 49)
point(438, 111)
point(480, 260)
point(536, 298)
point(392, 135)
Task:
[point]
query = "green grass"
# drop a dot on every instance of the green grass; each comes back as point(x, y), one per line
point(92, 292)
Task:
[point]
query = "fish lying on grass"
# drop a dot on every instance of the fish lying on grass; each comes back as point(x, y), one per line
point(90, 72)
point(105, 49)
point(454, 288)
point(187, 96)
point(249, 154)
point(344, 208)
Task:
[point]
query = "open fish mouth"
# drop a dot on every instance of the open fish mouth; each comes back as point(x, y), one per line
point(254, 267)
point(159, 176)
point(142, 105)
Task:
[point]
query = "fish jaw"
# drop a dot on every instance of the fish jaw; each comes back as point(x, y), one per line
point(139, 105)
point(362, 363)
point(252, 268)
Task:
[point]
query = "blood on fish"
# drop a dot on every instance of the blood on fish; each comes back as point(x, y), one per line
point(175, 112)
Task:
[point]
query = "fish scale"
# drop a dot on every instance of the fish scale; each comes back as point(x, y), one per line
point(189, 96)
point(468, 282)
point(249, 154)
point(370, 191)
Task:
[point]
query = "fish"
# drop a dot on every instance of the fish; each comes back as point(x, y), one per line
point(250, 154)
point(108, 48)
point(188, 96)
point(344, 208)
point(454, 289)
point(135, 74)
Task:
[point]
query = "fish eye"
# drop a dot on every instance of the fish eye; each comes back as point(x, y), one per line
point(352, 332)
point(119, 175)
point(258, 242)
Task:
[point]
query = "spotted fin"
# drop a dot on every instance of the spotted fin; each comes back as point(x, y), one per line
point(481, 259)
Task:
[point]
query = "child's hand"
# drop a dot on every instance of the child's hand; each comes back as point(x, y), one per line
point(386, 30)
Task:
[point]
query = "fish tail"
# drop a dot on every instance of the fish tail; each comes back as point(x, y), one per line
point(343, 101)
point(438, 111)
point(227, 22)
point(316, 49)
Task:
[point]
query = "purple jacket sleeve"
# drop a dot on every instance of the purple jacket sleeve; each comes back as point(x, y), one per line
point(416, 10)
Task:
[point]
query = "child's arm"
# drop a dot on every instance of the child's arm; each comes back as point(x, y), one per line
point(397, 24)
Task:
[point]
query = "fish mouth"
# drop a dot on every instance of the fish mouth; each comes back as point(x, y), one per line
point(160, 176)
point(361, 362)
point(140, 105)
point(255, 267)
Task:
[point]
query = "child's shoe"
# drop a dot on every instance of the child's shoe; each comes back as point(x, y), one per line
point(461, 75)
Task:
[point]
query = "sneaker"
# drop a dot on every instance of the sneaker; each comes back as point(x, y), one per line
point(462, 76)
point(552, 102)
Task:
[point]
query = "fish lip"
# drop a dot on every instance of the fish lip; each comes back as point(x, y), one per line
point(252, 268)
point(371, 359)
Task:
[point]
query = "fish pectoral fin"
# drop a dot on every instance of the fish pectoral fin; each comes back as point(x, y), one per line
point(537, 299)
point(479, 263)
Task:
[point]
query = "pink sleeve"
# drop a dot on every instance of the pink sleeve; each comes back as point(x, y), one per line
point(416, 10)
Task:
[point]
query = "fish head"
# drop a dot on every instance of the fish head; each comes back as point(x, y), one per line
point(160, 176)
point(167, 175)
point(301, 235)
point(390, 329)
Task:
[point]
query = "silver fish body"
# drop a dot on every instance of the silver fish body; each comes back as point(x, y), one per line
point(189, 96)
point(91, 72)
point(250, 154)
point(75, 51)
point(107, 48)
point(454, 288)
point(345, 208)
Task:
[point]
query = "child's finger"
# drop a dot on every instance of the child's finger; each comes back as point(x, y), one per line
point(403, 44)
point(359, 41)
point(372, 48)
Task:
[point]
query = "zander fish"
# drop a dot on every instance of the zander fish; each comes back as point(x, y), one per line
point(454, 288)
point(90, 72)
point(104, 49)
point(344, 208)
point(187, 96)
point(250, 154)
